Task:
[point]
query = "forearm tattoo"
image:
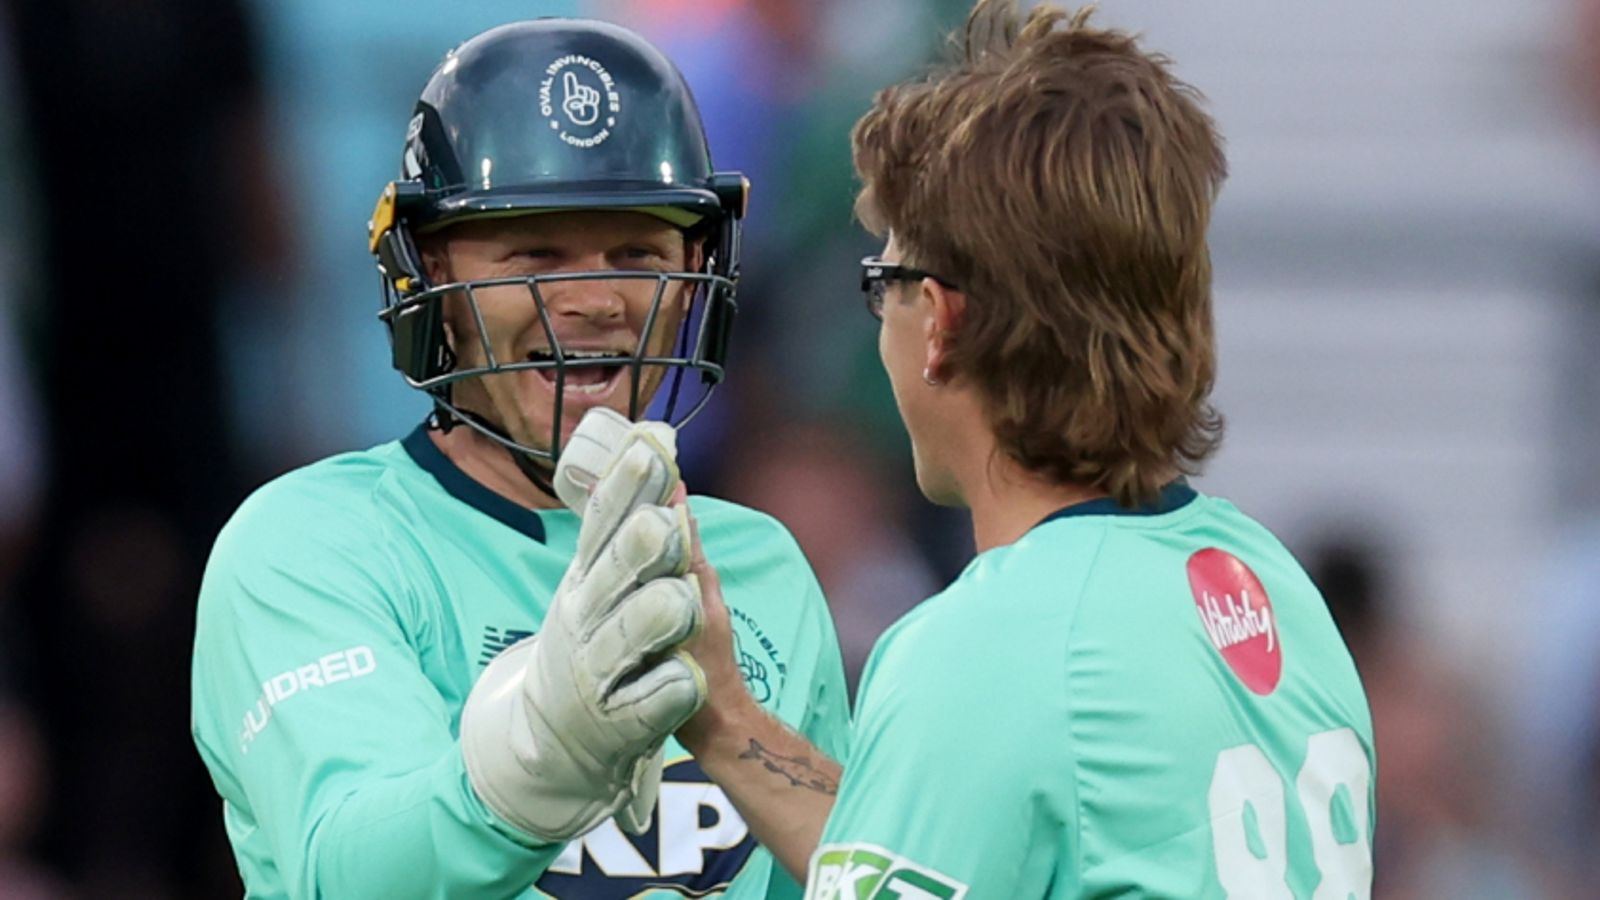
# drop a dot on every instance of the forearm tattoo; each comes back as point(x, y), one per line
point(798, 769)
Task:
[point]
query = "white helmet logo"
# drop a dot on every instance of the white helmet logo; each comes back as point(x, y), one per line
point(582, 103)
point(579, 99)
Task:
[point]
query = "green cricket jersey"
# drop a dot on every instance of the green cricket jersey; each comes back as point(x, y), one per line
point(346, 611)
point(1149, 703)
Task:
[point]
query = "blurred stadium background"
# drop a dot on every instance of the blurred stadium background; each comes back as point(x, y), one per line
point(1408, 300)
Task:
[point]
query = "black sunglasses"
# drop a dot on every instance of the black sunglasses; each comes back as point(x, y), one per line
point(876, 274)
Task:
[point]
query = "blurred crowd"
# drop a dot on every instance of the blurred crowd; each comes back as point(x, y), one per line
point(187, 309)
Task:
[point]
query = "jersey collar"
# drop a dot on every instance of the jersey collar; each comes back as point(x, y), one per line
point(1175, 495)
point(461, 486)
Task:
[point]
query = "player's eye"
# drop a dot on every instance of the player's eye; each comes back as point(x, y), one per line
point(535, 259)
point(875, 295)
point(638, 256)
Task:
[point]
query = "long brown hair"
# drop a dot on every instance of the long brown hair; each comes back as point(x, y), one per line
point(1063, 178)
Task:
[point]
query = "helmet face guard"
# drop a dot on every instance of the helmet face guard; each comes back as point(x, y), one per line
point(547, 115)
point(699, 347)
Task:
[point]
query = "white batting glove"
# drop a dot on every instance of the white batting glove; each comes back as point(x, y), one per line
point(564, 729)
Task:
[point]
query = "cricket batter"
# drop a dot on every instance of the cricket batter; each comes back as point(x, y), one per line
point(417, 671)
point(1133, 690)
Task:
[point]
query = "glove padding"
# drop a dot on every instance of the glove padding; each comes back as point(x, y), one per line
point(565, 728)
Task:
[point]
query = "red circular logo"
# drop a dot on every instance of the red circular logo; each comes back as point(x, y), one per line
point(1237, 617)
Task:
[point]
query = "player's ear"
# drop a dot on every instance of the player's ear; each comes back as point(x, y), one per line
point(434, 249)
point(946, 307)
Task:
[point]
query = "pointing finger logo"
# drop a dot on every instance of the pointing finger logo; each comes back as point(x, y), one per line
point(580, 102)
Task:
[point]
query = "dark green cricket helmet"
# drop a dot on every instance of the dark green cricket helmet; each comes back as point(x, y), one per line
point(556, 114)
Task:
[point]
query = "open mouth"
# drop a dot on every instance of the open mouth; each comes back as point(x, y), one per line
point(589, 372)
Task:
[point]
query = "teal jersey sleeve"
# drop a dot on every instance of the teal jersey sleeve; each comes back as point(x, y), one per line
point(1147, 703)
point(322, 733)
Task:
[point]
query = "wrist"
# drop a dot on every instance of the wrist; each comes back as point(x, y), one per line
point(719, 726)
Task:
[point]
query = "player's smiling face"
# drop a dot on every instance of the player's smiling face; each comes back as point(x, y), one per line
point(588, 317)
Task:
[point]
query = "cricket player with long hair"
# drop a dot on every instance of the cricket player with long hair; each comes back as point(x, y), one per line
point(1133, 689)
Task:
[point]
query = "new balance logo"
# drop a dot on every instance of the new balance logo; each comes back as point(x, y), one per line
point(867, 872)
point(496, 641)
